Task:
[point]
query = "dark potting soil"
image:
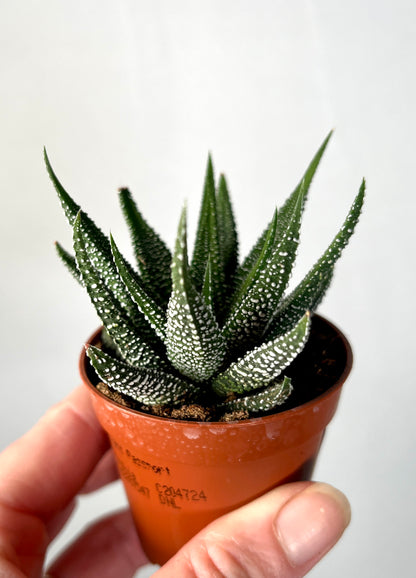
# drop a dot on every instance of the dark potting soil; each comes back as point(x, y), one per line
point(313, 372)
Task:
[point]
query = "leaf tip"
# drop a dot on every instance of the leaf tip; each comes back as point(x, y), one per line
point(78, 218)
point(210, 166)
point(46, 159)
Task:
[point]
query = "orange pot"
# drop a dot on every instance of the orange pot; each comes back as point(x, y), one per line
point(179, 475)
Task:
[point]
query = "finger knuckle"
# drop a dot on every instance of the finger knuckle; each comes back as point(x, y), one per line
point(215, 558)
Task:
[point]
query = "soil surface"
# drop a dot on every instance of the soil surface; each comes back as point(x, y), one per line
point(313, 372)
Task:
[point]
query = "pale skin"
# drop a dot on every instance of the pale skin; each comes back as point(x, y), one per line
point(281, 534)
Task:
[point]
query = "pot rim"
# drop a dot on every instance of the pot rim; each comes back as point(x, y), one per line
point(83, 360)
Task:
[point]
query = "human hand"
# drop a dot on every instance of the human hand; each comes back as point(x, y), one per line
point(283, 533)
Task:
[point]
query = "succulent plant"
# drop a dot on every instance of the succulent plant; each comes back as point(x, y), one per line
point(207, 330)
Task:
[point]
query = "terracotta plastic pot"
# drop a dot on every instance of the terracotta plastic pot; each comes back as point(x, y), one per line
point(179, 475)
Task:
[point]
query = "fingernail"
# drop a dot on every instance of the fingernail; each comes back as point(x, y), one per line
point(311, 523)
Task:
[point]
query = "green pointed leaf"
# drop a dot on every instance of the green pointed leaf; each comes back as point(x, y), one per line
point(280, 222)
point(152, 255)
point(293, 307)
point(262, 401)
point(227, 231)
point(69, 206)
point(207, 243)
point(150, 309)
point(284, 213)
point(311, 290)
point(194, 342)
point(69, 261)
point(249, 265)
point(262, 256)
point(130, 342)
point(97, 241)
point(304, 184)
point(263, 365)
point(202, 240)
point(147, 386)
point(314, 164)
point(255, 308)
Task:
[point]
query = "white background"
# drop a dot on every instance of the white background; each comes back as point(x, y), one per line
point(136, 93)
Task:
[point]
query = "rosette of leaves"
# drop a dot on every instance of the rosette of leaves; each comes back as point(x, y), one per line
point(204, 329)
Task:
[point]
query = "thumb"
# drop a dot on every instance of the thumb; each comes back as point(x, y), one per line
point(283, 533)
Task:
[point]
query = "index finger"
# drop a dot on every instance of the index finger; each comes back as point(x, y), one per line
point(43, 471)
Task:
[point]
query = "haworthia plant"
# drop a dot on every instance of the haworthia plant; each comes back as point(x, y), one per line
point(208, 330)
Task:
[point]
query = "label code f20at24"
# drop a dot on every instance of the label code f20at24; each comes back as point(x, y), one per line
point(167, 493)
